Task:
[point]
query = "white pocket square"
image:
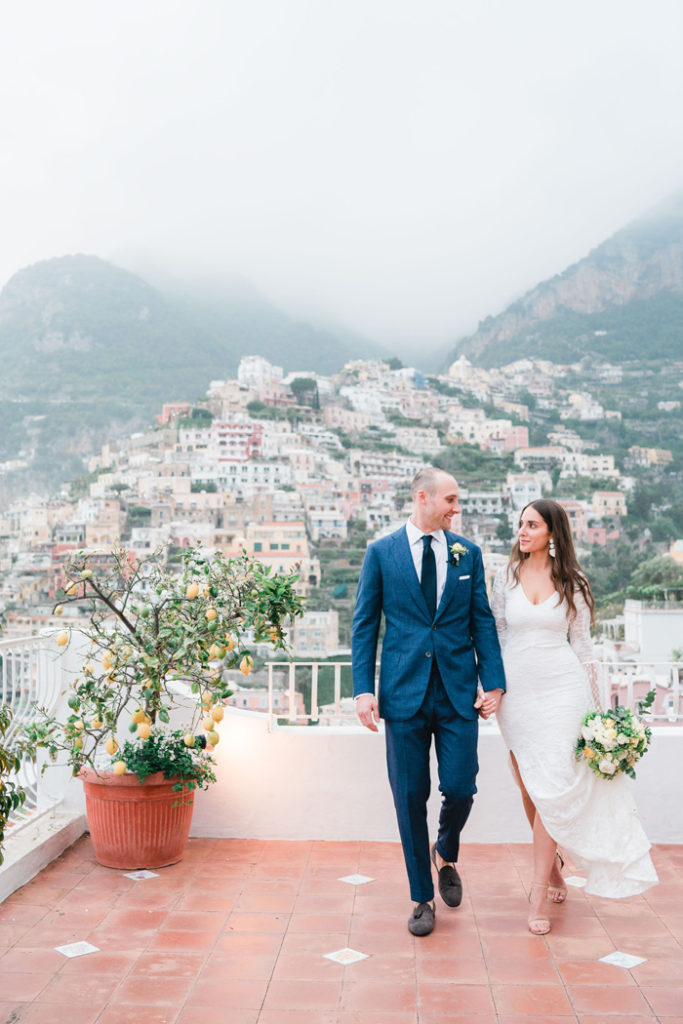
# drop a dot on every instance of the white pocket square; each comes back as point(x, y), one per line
point(465, 577)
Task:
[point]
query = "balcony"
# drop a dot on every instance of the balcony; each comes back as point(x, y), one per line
point(241, 928)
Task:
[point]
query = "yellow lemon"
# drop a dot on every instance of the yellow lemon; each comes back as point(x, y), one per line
point(59, 610)
point(212, 738)
point(217, 713)
point(208, 723)
point(96, 723)
point(119, 768)
point(246, 664)
point(192, 591)
point(188, 739)
point(229, 643)
point(214, 650)
point(79, 725)
point(78, 743)
point(111, 746)
point(138, 716)
point(88, 668)
point(144, 729)
point(211, 614)
point(62, 639)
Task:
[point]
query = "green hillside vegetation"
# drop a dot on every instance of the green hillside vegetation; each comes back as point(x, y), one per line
point(78, 328)
point(650, 330)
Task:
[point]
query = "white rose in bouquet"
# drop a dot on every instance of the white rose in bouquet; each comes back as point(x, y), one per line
point(607, 767)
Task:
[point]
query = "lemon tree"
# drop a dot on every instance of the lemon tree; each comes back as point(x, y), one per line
point(12, 795)
point(149, 627)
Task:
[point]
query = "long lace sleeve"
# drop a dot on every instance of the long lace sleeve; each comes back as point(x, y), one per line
point(498, 606)
point(582, 645)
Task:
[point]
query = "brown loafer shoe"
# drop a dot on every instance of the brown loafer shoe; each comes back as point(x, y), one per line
point(421, 921)
point(450, 885)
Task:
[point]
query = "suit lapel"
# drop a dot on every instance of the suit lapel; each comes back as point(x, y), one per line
point(406, 568)
point(452, 576)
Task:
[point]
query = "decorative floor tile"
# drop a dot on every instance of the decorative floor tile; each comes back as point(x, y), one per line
point(346, 956)
point(576, 880)
point(623, 960)
point(139, 875)
point(77, 949)
point(357, 879)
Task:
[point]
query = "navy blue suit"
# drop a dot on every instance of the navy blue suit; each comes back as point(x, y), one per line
point(427, 687)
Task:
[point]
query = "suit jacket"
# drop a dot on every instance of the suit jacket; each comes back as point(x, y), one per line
point(462, 636)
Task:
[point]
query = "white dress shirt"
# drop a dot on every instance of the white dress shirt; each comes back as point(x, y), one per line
point(440, 549)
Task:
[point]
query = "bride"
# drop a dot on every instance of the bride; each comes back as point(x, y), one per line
point(540, 600)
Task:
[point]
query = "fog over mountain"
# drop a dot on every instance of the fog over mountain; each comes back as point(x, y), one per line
point(401, 169)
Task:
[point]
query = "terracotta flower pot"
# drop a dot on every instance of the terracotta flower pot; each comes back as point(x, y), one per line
point(133, 824)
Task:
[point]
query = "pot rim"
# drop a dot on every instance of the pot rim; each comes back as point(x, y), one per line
point(107, 778)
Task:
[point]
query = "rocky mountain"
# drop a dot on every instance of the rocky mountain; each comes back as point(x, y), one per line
point(623, 301)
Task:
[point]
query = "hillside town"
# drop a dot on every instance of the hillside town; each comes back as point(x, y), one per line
point(303, 470)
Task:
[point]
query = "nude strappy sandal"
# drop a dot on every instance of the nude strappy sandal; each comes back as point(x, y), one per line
point(538, 925)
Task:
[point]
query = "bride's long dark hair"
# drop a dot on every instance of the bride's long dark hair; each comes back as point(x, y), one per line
point(567, 575)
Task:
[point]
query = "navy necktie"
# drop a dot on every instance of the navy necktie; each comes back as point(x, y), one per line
point(428, 578)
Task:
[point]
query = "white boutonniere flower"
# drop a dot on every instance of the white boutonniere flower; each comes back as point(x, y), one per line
point(456, 551)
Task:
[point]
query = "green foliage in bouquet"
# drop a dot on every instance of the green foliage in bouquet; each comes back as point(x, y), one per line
point(613, 741)
point(151, 629)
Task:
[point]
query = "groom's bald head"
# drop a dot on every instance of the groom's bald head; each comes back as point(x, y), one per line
point(430, 479)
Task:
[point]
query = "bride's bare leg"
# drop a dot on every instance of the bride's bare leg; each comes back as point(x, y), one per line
point(555, 879)
point(529, 808)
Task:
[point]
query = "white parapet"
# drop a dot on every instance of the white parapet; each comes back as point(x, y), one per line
point(331, 784)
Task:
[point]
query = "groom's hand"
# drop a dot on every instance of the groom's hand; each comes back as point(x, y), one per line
point(367, 710)
point(487, 702)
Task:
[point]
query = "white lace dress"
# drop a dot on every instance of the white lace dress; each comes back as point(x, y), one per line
point(548, 692)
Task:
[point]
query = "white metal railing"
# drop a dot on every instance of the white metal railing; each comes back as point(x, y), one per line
point(296, 711)
point(624, 683)
point(31, 673)
point(627, 683)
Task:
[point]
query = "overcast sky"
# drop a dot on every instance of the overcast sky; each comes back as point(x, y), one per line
point(403, 167)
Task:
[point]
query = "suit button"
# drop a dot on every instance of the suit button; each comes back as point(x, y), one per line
point(428, 654)
point(433, 627)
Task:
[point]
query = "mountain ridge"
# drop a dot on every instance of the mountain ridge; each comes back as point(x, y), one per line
point(639, 268)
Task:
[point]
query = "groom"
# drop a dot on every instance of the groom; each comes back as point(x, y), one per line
point(440, 639)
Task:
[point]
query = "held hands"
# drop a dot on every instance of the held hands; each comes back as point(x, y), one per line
point(367, 710)
point(487, 702)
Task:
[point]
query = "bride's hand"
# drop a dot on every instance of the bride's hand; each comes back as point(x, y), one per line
point(487, 702)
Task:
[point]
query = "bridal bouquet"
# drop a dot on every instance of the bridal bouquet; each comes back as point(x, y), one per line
point(613, 741)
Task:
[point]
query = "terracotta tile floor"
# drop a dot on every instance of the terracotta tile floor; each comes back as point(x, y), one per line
point(237, 932)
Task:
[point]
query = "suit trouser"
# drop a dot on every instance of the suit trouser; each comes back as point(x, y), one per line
point(408, 745)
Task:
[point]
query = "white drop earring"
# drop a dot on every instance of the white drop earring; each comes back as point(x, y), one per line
point(551, 548)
